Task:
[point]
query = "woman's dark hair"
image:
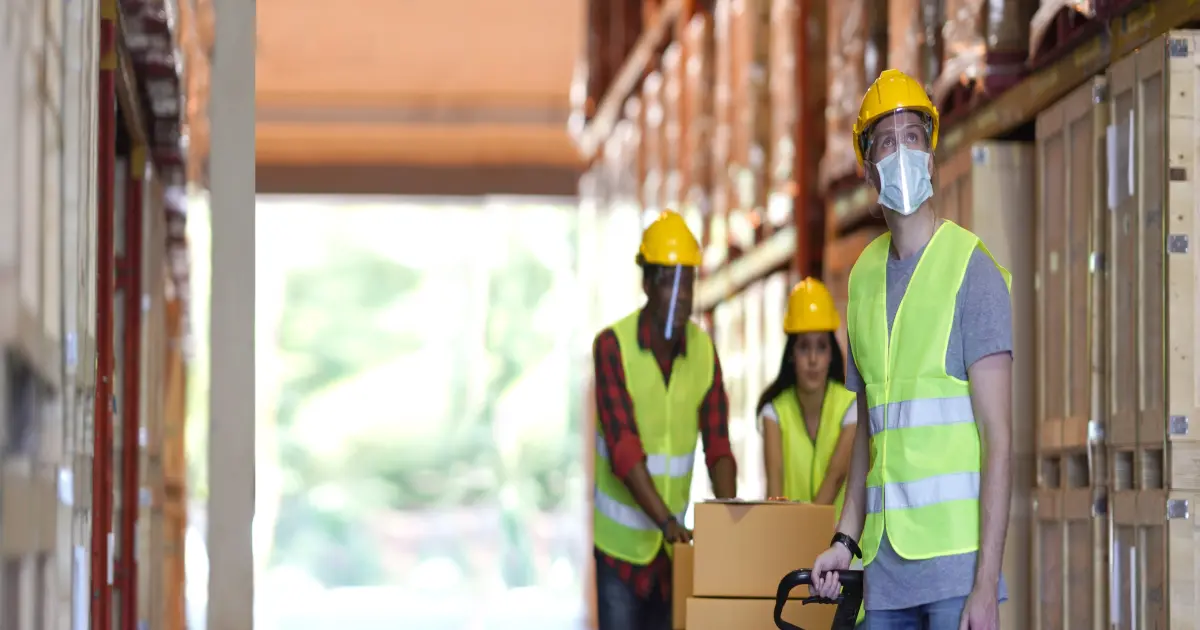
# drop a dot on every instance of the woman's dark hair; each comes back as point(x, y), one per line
point(787, 370)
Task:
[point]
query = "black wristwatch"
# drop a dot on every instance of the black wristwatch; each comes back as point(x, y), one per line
point(667, 523)
point(848, 542)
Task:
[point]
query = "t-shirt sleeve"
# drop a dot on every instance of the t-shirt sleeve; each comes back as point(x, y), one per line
point(986, 310)
point(768, 413)
point(853, 378)
point(851, 416)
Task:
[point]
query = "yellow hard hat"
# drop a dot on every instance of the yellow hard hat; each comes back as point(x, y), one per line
point(810, 309)
point(668, 241)
point(893, 90)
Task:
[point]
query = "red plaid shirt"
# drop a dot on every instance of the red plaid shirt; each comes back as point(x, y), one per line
point(614, 413)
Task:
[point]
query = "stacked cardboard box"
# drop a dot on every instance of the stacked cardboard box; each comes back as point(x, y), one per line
point(742, 549)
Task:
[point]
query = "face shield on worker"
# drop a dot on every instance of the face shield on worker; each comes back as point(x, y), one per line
point(894, 138)
point(669, 256)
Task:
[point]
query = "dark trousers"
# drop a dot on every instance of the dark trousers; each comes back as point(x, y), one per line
point(619, 608)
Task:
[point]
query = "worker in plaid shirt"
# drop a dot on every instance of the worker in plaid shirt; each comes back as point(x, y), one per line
point(658, 389)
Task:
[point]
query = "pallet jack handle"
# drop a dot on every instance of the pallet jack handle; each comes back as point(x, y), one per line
point(848, 602)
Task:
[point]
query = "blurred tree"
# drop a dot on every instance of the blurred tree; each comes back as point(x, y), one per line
point(332, 322)
point(331, 328)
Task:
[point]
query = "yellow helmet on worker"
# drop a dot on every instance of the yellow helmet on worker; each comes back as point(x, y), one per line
point(667, 241)
point(892, 92)
point(810, 309)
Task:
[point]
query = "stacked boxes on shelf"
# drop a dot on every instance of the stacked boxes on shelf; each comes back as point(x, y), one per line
point(846, 37)
point(722, 194)
point(653, 150)
point(1071, 524)
point(672, 130)
point(750, 121)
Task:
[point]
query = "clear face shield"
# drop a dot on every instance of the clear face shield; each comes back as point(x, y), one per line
point(672, 289)
point(897, 150)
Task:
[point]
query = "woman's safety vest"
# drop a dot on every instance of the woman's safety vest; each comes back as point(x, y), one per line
point(668, 424)
point(925, 450)
point(805, 462)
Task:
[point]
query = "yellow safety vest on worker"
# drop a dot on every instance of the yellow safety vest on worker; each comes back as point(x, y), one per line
point(668, 424)
point(806, 462)
point(925, 449)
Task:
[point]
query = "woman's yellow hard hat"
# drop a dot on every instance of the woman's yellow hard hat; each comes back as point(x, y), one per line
point(893, 91)
point(810, 309)
point(668, 241)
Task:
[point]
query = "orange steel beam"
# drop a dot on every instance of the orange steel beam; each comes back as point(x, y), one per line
point(803, 205)
point(131, 285)
point(102, 473)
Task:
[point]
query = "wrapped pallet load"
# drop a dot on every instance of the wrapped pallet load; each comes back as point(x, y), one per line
point(652, 143)
point(717, 251)
point(847, 22)
point(750, 129)
point(933, 20)
point(783, 102)
point(695, 159)
point(905, 35)
point(672, 94)
point(1053, 21)
point(985, 44)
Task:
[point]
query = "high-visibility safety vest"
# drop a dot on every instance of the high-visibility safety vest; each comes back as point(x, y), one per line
point(925, 449)
point(668, 424)
point(805, 462)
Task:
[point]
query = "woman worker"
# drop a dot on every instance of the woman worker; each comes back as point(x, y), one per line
point(807, 414)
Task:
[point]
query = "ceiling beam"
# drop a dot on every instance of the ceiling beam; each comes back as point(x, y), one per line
point(381, 179)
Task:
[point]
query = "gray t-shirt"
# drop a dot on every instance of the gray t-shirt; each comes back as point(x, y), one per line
point(982, 327)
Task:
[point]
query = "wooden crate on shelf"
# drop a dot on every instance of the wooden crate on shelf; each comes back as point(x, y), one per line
point(1155, 477)
point(1072, 494)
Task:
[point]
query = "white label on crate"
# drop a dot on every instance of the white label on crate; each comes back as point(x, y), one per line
point(145, 497)
point(72, 351)
point(1132, 163)
point(66, 486)
point(1110, 142)
point(1133, 583)
point(112, 543)
point(143, 437)
point(145, 302)
point(1114, 595)
point(79, 587)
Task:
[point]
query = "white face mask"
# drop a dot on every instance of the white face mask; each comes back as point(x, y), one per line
point(904, 182)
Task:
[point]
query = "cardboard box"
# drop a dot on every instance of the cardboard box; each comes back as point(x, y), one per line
point(754, 614)
point(681, 584)
point(744, 548)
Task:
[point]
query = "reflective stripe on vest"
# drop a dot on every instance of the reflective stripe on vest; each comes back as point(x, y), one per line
point(631, 517)
point(925, 450)
point(668, 423)
point(669, 465)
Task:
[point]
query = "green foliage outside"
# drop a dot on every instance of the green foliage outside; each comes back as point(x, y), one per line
point(359, 434)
